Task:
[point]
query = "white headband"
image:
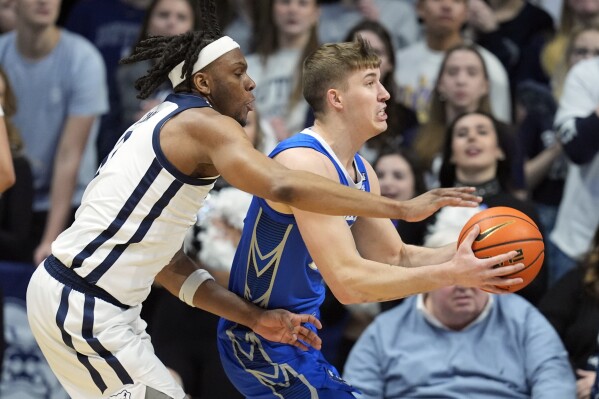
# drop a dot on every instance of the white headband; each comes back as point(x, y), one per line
point(208, 54)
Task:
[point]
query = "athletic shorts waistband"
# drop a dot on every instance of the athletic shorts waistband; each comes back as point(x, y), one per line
point(71, 279)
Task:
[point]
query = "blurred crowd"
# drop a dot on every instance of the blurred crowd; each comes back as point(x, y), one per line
point(502, 95)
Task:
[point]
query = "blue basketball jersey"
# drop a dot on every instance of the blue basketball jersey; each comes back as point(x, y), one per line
point(273, 269)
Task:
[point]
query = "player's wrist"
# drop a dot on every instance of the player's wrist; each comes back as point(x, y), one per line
point(191, 285)
point(401, 210)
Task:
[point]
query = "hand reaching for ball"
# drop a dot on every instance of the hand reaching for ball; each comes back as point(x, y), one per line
point(470, 271)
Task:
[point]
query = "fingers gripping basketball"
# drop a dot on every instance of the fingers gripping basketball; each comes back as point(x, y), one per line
point(504, 229)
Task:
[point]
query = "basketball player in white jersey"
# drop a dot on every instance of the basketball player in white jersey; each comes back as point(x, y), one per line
point(84, 300)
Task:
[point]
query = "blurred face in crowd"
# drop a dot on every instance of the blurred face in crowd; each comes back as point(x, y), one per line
point(295, 17)
point(38, 14)
point(463, 82)
point(8, 17)
point(379, 48)
point(395, 177)
point(456, 306)
point(170, 18)
point(443, 16)
point(584, 8)
point(475, 148)
point(586, 45)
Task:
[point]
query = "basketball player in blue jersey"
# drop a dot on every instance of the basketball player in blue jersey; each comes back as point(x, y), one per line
point(287, 254)
point(84, 301)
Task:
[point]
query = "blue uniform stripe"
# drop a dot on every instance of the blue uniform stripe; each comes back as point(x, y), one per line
point(133, 200)
point(139, 234)
point(61, 316)
point(87, 332)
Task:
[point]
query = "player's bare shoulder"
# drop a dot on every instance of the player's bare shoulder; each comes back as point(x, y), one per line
point(190, 139)
point(308, 159)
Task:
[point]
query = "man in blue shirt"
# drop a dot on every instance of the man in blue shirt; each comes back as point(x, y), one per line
point(457, 342)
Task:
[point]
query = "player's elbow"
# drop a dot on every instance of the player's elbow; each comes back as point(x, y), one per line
point(347, 289)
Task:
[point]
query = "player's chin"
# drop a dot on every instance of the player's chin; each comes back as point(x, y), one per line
point(380, 126)
point(242, 118)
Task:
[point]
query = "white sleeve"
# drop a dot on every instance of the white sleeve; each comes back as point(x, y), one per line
point(580, 96)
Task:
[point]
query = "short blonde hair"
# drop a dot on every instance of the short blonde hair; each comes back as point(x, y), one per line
point(330, 65)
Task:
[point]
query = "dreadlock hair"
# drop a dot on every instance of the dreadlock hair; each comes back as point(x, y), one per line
point(169, 51)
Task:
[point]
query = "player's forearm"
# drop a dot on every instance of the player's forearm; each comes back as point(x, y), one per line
point(414, 256)
point(209, 296)
point(317, 194)
point(215, 299)
point(375, 282)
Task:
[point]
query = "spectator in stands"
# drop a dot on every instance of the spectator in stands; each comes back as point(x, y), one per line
point(545, 164)
point(401, 178)
point(112, 26)
point(463, 85)
point(513, 30)
point(163, 18)
point(59, 80)
point(577, 124)
point(420, 62)
point(575, 14)
point(572, 307)
point(16, 203)
point(583, 43)
point(398, 18)
point(457, 342)
point(286, 33)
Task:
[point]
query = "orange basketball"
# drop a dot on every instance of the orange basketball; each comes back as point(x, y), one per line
point(504, 229)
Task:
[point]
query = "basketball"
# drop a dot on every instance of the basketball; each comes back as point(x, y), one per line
point(504, 229)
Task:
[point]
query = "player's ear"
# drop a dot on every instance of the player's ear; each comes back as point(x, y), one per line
point(201, 81)
point(334, 98)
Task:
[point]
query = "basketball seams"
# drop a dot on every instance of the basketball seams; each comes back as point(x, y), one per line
point(530, 265)
point(465, 233)
point(507, 243)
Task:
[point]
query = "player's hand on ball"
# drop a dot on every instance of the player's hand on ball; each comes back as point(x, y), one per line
point(471, 271)
point(426, 204)
point(279, 325)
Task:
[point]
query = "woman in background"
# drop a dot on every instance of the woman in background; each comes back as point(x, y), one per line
point(572, 307)
point(163, 18)
point(476, 153)
point(16, 203)
point(286, 33)
point(462, 86)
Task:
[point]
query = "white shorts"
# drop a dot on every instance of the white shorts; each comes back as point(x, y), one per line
point(96, 349)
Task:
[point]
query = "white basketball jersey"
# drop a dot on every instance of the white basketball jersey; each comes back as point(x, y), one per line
point(136, 211)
